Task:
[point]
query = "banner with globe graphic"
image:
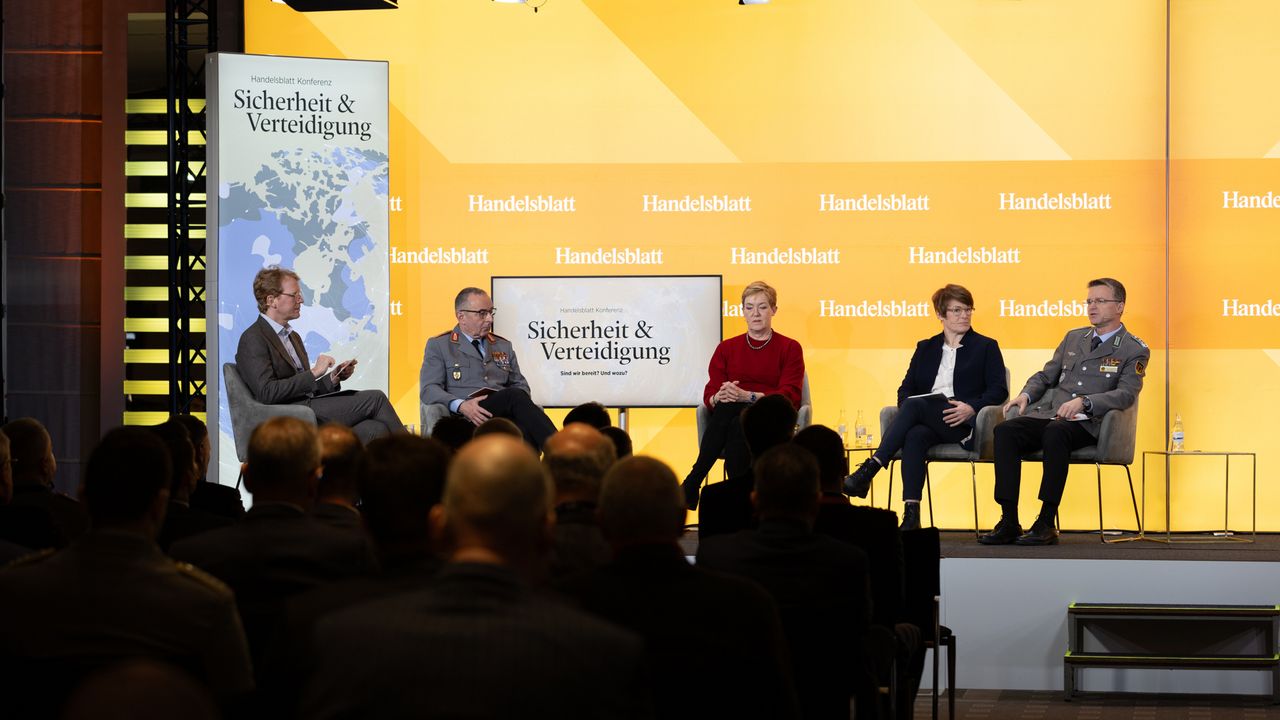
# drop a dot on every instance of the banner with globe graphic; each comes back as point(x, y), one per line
point(298, 177)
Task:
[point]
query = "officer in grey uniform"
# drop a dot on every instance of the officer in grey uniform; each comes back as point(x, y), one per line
point(475, 373)
point(1094, 370)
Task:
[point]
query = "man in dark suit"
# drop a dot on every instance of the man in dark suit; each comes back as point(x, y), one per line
point(479, 641)
point(476, 374)
point(112, 594)
point(820, 584)
point(277, 550)
point(708, 635)
point(726, 506)
point(31, 456)
point(22, 528)
point(577, 458)
point(338, 489)
point(875, 532)
point(181, 520)
point(273, 363)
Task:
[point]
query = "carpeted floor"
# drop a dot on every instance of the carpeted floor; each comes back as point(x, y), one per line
point(1028, 705)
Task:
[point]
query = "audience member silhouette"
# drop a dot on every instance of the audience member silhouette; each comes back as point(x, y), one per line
point(707, 635)
point(181, 520)
point(621, 440)
point(819, 584)
point(498, 425)
point(33, 464)
point(337, 491)
point(22, 528)
point(210, 497)
point(277, 550)
point(401, 479)
point(112, 594)
point(726, 506)
point(591, 413)
point(140, 690)
point(479, 641)
point(875, 532)
point(577, 458)
point(454, 431)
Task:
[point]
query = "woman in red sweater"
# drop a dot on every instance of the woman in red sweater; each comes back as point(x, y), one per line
point(743, 369)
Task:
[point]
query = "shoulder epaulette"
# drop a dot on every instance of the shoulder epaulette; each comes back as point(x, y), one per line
point(1139, 341)
point(494, 337)
point(446, 332)
point(192, 572)
point(33, 557)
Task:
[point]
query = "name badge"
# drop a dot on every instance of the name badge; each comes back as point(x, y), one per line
point(1109, 366)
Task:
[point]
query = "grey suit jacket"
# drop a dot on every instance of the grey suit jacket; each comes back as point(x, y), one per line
point(267, 369)
point(1111, 376)
point(453, 370)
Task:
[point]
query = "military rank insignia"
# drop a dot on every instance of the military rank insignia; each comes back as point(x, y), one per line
point(501, 358)
point(457, 372)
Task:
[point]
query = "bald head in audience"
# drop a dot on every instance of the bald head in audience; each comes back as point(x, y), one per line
point(577, 458)
point(497, 504)
point(283, 462)
point(641, 503)
point(31, 452)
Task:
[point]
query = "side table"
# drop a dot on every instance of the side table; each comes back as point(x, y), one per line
point(1224, 535)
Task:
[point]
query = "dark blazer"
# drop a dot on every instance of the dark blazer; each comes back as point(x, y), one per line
point(68, 515)
point(277, 551)
point(183, 521)
point(30, 526)
point(821, 587)
point(875, 532)
point(725, 507)
point(721, 628)
point(479, 643)
point(268, 371)
point(221, 500)
point(979, 377)
point(577, 543)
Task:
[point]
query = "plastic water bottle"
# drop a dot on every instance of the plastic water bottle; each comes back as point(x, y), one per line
point(860, 430)
point(843, 429)
point(1176, 437)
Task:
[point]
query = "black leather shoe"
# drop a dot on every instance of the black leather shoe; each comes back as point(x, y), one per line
point(1042, 532)
point(1005, 532)
point(910, 517)
point(859, 482)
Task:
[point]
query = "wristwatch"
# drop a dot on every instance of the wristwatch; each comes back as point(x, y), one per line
point(751, 398)
point(1088, 406)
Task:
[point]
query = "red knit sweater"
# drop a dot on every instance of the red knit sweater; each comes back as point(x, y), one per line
point(776, 368)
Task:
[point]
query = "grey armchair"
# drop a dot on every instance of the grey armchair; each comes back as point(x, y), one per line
point(247, 413)
point(430, 414)
point(1116, 441)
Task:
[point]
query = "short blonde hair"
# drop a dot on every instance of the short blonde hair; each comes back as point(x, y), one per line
point(758, 287)
point(270, 281)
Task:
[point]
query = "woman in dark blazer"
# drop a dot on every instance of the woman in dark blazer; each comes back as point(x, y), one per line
point(963, 372)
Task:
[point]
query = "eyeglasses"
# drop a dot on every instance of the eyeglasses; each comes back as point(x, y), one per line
point(297, 297)
point(1098, 301)
point(960, 310)
point(482, 313)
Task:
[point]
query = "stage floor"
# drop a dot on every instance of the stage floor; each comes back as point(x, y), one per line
point(1086, 546)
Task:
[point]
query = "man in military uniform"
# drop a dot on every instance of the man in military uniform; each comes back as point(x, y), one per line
point(475, 373)
point(112, 594)
point(1094, 370)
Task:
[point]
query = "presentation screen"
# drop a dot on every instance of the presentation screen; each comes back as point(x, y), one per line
point(624, 341)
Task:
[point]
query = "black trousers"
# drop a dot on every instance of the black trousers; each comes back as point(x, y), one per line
point(1021, 435)
point(368, 412)
point(917, 427)
point(724, 433)
point(516, 405)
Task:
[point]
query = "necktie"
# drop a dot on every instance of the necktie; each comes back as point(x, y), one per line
point(1094, 343)
point(285, 333)
point(475, 342)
